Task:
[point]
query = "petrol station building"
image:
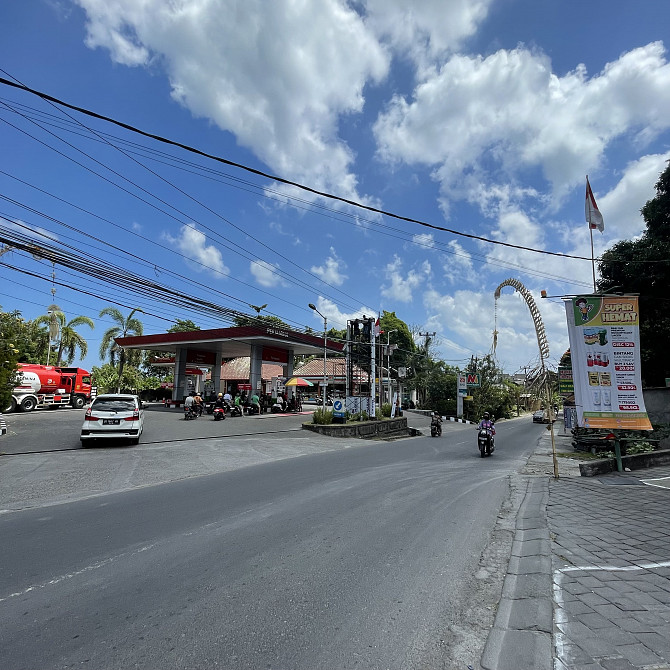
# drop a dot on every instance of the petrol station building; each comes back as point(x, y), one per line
point(210, 348)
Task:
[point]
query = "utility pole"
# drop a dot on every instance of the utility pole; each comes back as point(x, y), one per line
point(427, 336)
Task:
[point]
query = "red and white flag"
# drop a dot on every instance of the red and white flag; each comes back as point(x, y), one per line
point(378, 328)
point(593, 216)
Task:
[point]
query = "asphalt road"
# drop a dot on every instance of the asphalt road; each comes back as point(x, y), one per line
point(59, 428)
point(361, 557)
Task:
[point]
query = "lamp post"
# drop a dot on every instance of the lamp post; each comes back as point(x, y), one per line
point(388, 358)
point(325, 330)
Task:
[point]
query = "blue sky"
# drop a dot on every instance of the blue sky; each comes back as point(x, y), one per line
point(478, 116)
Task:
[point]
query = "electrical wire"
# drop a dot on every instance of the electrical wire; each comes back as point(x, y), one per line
point(276, 178)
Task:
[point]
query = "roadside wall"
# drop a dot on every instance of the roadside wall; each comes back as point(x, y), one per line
point(657, 403)
point(369, 429)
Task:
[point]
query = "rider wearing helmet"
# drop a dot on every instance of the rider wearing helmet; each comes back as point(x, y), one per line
point(219, 401)
point(487, 423)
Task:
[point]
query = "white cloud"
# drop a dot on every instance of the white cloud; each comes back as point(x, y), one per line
point(337, 318)
point(457, 266)
point(427, 29)
point(332, 270)
point(621, 206)
point(424, 240)
point(202, 257)
point(276, 74)
point(510, 112)
point(266, 274)
point(470, 317)
point(401, 287)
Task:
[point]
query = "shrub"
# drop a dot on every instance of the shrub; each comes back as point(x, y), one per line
point(322, 417)
point(386, 409)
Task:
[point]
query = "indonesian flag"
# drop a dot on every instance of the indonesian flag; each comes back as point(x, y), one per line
point(593, 216)
point(378, 328)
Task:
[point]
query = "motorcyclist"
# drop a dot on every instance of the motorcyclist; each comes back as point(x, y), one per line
point(436, 420)
point(189, 403)
point(220, 402)
point(197, 403)
point(487, 424)
point(255, 404)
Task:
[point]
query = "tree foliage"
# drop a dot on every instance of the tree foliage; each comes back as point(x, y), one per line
point(11, 325)
point(643, 266)
point(126, 326)
point(64, 332)
point(494, 395)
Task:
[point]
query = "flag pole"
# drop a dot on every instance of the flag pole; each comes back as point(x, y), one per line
point(593, 260)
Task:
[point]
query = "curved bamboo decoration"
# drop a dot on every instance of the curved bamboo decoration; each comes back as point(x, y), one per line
point(534, 312)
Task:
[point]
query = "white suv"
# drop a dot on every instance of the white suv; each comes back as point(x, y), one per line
point(113, 415)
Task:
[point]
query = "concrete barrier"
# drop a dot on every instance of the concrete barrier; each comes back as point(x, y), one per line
point(362, 429)
point(632, 462)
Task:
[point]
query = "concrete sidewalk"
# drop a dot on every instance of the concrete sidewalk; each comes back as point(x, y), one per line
point(588, 583)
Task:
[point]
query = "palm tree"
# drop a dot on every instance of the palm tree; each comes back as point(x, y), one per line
point(126, 326)
point(54, 319)
point(71, 340)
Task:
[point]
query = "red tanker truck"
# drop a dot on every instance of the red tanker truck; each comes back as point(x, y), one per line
point(49, 386)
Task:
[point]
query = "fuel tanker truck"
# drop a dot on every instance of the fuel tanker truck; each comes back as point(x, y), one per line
point(49, 386)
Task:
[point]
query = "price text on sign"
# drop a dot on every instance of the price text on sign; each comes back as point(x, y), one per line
point(623, 344)
point(627, 387)
point(629, 407)
point(625, 368)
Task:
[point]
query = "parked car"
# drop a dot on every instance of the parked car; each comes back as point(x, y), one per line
point(113, 416)
point(542, 416)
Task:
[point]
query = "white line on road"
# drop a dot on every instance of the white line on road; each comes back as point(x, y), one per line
point(71, 575)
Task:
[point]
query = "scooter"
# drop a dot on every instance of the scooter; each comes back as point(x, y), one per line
point(436, 427)
point(219, 413)
point(190, 413)
point(235, 410)
point(485, 442)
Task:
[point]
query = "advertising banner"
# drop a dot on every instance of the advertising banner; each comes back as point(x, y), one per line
point(565, 385)
point(605, 350)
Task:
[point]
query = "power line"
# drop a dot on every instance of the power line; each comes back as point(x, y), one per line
point(276, 178)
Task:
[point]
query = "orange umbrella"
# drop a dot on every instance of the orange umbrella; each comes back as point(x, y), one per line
point(298, 381)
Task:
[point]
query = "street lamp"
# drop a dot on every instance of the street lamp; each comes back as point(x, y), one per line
point(325, 329)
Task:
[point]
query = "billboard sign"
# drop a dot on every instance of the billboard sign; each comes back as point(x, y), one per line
point(604, 334)
point(473, 379)
point(565, 384)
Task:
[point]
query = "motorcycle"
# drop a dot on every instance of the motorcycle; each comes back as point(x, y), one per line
point(190, 413)
point(219, 413)
point(436, 427)
point(235, 410)
point(485, 442)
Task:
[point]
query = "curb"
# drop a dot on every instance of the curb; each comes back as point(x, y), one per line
point(3, 427)
point(521, 636)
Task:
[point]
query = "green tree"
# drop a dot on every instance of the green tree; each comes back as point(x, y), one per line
point(643, 266)
point(441, 388)
point(52, 320)
point(494, 395)
point(69, 339)
point(126, 326)
point(11, 325)
point(161, 373)
point(260, 321)
point(108, 380)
